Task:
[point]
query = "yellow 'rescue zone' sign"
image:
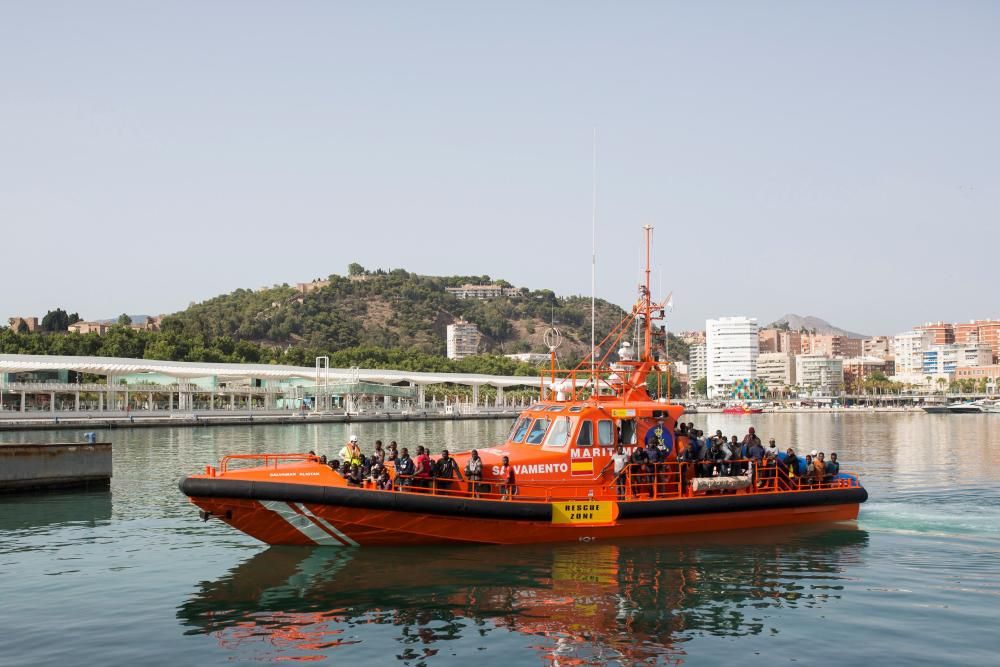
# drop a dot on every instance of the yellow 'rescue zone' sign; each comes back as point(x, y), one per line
point(585, 511)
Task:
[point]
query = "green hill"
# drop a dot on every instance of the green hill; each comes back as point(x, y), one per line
point(377, 319)
point(394, 309)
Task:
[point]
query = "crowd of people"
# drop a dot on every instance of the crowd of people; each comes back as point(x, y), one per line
point(717, 455)
point(417, 473)
point(711, 456)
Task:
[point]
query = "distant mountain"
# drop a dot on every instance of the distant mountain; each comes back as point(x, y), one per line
point(810, 322)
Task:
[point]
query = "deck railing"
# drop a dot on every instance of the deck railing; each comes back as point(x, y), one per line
point(636, 482)
point(267, 460)
point(659, 481)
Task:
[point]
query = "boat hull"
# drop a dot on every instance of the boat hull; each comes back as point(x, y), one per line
point(289, 514)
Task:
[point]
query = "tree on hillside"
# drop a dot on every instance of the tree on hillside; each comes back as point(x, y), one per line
point(56, 320)
point(677, 349)
point(355, 269)
point(124, 320)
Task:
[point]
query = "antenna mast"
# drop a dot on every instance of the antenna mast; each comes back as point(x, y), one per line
point(593, 269)
point(647, 299)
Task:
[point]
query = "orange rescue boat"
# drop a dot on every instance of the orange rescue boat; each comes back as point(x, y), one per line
point(560, 449)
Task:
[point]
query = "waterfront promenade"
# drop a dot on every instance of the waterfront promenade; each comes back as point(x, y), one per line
point(16, 421)
point(57, 389)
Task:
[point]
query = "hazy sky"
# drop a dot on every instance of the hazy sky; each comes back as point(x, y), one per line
point(838, 159)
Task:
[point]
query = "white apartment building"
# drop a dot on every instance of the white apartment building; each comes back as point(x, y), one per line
point(909, 347)
point(463, 339)
point(696, 362)
point(776, 369)
point(942, 360)
point(820, 375)
point(697, 366)
point(731, 350)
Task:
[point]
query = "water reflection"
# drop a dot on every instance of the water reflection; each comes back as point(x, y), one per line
point(572, 604)
point(31, 512)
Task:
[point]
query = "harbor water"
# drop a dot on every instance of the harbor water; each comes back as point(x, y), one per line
point(132, 576)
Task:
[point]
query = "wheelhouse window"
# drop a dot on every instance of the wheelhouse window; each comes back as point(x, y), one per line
point(585, 438)
point(605, 432)
point(537, 432)
point(520, 429)
point(628, 431)
point(559, 433)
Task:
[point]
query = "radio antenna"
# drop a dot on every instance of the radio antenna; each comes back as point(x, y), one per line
point(593, 268)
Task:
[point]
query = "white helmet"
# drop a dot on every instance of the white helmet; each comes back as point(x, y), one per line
point(354, 438)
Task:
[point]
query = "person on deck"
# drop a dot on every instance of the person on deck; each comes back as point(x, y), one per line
point(404, 469)
point(354, 477)
point(771, 451)
point(509, 481)
point(379, 452)
point(734, 452)
point(392, 453)
point(755, 453)
point(446, 469)
point(751, 437)
point(350, 455)
point(640, 469)
point(618, 461)
point(832, 467)
point(656, 470)
point(376, 469)
point(749, 440)
point(715, 459)
point(819, 468)
point(793, 466)
point(422, 473)
point(474, 472)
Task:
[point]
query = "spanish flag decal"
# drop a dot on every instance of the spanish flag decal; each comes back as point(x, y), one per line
point(582, 467)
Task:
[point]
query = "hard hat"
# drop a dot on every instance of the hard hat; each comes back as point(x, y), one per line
point(354, 438)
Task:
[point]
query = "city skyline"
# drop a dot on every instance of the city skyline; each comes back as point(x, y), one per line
point(816, 159)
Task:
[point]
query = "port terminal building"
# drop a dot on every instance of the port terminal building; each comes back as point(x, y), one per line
point(48, 383)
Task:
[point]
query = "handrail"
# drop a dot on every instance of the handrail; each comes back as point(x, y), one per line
point(670, 480)
point(636, 482)
point(268, 459)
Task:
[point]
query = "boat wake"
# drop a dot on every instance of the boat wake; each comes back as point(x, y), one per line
point(943, 514)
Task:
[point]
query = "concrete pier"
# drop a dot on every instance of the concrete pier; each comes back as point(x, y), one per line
point(26, 467)
point(95, 422)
